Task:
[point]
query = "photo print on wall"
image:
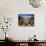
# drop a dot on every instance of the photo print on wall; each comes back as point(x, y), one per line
point(26, 19)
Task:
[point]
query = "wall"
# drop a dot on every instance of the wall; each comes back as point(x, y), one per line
point(11, 8)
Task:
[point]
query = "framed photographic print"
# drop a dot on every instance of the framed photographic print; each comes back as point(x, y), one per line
point(26, 19)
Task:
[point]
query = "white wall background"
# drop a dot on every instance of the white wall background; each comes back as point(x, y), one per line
point(11, 8)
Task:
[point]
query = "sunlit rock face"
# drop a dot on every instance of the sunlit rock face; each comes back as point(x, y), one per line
point(35, 3)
